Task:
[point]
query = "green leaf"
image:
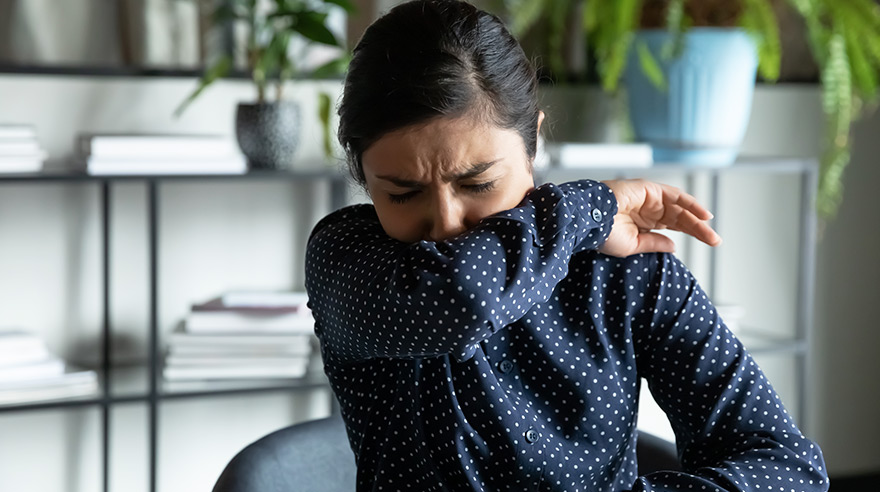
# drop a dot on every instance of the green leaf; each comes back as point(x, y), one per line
point(333, 68)
point(216, 71)
point(675, 26)
point(759, 19)
point(556, 17)
point(650, 67)
point(311, 26)
point(837, 103)
point(614, 39)
point(324, 106)
point(830, 193)
point(345, 4)
point(864, 78)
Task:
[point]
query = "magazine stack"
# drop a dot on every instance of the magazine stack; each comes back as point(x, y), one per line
point(160, 154)
point(243, 335)
point(20, 152)
point(29, 372)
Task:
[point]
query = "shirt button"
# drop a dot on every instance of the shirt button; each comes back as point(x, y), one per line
point(532, 435)
point(597, 215)
point(505, 366)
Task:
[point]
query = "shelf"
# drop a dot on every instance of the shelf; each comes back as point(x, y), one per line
point(130, 385)
point(757, 342)
point(752, 165)
point(311, 173)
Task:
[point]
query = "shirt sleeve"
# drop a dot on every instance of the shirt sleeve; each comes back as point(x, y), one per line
point(732, 430)
point(374, 296)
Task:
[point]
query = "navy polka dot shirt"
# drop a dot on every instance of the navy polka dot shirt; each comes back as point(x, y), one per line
point(509, 358)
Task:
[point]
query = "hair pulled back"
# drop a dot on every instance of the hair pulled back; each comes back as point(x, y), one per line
point(435, 58)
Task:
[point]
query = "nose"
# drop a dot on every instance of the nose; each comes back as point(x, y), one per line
point(447, 219)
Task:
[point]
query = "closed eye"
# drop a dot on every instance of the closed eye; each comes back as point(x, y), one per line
point(480, 188)
point(402, 197)
point(472, 188)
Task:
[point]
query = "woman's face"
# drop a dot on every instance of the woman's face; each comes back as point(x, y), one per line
point(435, 180)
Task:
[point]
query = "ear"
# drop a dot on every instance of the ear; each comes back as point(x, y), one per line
point(540, 120)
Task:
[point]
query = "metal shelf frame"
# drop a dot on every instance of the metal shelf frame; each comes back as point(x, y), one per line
point(153, 396)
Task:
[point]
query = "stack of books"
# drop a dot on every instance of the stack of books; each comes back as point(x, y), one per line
point(160, 154)
point(29, 372)
point(19, 150)
point(580, 155)
point(243, 335)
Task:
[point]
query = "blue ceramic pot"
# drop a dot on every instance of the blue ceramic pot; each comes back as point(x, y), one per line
point(702, 116)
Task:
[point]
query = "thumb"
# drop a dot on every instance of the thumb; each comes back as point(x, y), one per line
point(652, 242)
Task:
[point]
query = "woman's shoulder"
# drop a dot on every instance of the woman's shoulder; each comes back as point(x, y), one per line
point(352, 216)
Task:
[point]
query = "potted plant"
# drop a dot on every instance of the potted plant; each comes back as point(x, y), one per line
point(653, 44)
point(267, 130)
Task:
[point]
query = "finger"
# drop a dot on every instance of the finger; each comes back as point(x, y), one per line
point(676, 197)
point(688, 223)
point(649, 242)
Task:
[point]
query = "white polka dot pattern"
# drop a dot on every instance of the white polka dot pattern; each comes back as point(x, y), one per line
point(509, 359)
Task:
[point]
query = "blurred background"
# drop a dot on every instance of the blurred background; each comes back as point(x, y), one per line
point(75, 67)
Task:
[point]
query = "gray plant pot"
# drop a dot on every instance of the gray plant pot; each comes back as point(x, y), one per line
point(268, 133)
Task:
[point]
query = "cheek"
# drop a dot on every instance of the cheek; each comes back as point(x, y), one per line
point(398, 222)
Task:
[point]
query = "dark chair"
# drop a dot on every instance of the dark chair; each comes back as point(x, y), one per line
point(315, 457)
point(309, 457)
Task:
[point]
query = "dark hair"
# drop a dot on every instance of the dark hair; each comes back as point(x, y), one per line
point(432, 58)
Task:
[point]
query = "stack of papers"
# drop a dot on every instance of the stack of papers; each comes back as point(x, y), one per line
point(160, 154)
point(19, 150)
point(243, 336)
point(29, 372)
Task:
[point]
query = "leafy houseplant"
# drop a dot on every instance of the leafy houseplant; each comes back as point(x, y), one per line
point(267, 130)
point(843, 36)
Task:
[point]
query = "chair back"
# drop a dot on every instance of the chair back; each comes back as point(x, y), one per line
point(310, 457)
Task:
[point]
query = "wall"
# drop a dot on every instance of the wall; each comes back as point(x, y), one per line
point(49, 261)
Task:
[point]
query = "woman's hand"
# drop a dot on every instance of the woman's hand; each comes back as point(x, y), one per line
point(643, 206)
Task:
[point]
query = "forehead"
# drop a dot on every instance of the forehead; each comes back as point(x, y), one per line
point(441, 146)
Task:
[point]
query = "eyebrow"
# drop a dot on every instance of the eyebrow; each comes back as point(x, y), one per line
point(474, 171)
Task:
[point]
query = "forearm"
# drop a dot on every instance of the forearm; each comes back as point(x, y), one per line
point(375, 296)
point(731, 427)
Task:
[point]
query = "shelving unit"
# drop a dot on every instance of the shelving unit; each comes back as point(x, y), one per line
point(143, 384)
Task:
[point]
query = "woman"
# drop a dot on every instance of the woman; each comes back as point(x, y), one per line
point(475, 337)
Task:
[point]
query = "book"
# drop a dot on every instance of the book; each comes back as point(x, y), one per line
point(248, 322)
point(232, 360)
point(577, 155)
point(70, 384)
point(218, 305)
point(159, 147)
point(294, 368)
point(146, 166)
point(208, 349)
point(19, 347)
point(20, 147)
point(22, 164)
point(264, 299)
point(48, 367)
point(241, 342)
point(17, 132)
